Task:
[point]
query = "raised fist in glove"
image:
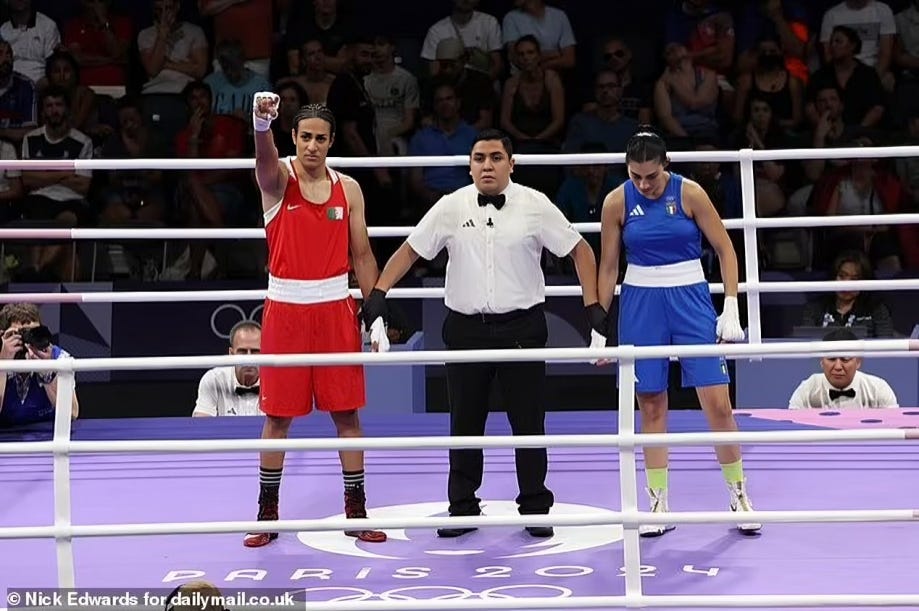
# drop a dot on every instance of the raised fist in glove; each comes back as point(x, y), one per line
point(728, 328)
point(264, 109)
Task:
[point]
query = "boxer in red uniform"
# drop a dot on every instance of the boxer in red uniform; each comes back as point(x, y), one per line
point(314, 219)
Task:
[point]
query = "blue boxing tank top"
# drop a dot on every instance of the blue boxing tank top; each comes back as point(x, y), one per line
point(657, 231)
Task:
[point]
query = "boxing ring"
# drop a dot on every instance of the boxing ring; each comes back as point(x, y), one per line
point(153, 503)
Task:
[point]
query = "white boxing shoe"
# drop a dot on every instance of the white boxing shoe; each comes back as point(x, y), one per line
point(740, 502)
point(659, 504)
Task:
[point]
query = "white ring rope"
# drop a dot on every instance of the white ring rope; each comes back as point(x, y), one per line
point(249, 233)
point(62, 446)
point(783, 286)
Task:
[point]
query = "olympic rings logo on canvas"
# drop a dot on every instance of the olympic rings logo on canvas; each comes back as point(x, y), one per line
point(352, 594)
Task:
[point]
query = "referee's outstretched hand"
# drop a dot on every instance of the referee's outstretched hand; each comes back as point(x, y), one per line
point(374, 307)
point(599, 329)
point(598, 319)
point(374, 313)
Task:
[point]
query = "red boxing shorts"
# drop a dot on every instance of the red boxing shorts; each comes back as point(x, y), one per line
point(289, 328)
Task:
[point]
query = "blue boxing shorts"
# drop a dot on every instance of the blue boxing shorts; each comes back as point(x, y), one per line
point(670, 315)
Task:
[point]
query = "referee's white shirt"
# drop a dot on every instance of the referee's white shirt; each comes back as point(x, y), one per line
point(217, 395)
point(870, 392)
point(494, 255)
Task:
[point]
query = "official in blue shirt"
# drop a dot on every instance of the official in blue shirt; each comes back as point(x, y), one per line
point(660, 218)
point(29, 397)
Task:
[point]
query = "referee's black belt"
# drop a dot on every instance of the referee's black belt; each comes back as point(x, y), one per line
point(500, 318)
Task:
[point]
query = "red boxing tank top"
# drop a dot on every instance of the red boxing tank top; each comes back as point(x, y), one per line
point(308, 240)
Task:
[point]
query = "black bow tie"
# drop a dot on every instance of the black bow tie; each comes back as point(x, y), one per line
point(242, 391)
point(835, 394)
point(495, 200)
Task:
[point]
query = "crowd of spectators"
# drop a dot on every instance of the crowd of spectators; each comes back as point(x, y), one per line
point(174, 78)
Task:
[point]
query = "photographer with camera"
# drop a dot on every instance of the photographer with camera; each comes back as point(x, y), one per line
point(28, 397)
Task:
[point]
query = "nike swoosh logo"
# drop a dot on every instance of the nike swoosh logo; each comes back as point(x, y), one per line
point(289, 207)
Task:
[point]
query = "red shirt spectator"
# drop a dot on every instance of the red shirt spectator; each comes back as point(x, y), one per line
point(99, 41)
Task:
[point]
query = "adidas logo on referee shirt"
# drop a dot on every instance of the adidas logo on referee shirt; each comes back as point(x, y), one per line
point(468, 223)
point(637, 211)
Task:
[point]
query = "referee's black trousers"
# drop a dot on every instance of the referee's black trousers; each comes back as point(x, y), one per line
point(522, 387)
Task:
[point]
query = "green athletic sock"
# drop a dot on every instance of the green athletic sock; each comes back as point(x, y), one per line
point(733, 472)
point(657, 478)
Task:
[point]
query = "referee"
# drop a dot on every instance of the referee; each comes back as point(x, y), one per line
point(494, 231)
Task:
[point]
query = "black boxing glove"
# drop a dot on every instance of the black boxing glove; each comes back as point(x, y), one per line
point(598, 319)
point(374, 307)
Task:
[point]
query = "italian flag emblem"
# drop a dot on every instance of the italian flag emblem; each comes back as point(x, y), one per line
point(336, 213)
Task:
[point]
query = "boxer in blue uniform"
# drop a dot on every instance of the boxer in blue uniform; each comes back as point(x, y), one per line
point(660, 218)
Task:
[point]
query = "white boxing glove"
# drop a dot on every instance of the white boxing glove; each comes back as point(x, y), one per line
point(264, 110)
point(378, 335)
point(728, 328)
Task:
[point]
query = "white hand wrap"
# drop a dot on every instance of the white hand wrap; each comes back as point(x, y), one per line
point(260, 120)
point(378, 335)
point(596, 341)
point(728, 328)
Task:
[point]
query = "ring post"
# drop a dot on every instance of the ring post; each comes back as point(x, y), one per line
point(628, 475)
point(61, 450)
point(751, 246)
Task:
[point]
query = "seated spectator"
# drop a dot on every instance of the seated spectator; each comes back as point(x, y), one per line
point(234, 85)
point(478, 101)
point(233, 391)
point(57, 195)
point(786, 21)
point(448, 134)
point(322, 21)
point(312, 75)
point(863, 96)
point(293, 97)
point(173, 54)
point(395, 96)
point(18, 103)
point(33, 36)
point(581, 194)
point(760, 130)
point(550, 26)
point(210, 198)
point(842, 385)
point(11, 189)
point(86, 114)
point(134, 194)
point(722, 187)
point(636, 98)
point(29, 397)
point(605, 122)
point(850, 308)
point(686, 97)
point(874, 24)
point(707, 32)
point(864, 187)
point(830, 131)
point(99, 40)
point(250, 23)
point(480, 33)
point(533, 103)
point(906, 60)
point(771, 81)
